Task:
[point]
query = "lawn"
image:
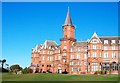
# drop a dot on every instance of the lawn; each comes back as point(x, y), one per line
point(57, 77)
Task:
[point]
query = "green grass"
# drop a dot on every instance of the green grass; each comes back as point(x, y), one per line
point(57, 77)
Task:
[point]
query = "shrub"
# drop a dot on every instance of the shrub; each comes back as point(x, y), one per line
point(27, 70)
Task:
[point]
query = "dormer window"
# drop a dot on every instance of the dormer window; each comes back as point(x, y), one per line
point(119, 42)
point(94, 40)
point(112, 41)
point(105, 41)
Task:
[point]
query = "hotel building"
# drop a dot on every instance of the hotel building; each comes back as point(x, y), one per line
point(76, 57)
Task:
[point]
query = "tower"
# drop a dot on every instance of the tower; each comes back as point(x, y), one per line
point(66, 41)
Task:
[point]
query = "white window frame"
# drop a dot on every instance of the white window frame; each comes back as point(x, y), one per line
point(59, 57)
point(85, 56)
point(64, 54)
point(48, 58)
point(43, 58)
point(106, 55)
point(105, 41)
point(94, 40)
point(55, 57)
point(78, 56)
point(119, 41)
point(78, 49)
point(94, 46)
point(94, 67)
point(75, 69)
point(113, 47)
point(105, 47)
point(112, 41)
point(72, 56)
point(71, 50)
point(94, 54)
point(114, 55)
point(65, 47)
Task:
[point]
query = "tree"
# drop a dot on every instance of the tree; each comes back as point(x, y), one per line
point(15, 68)
point(2, 61)
point(27, 70)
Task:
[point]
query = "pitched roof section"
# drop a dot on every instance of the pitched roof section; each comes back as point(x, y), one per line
point(80, 44)
point(109, 38)
point(94, 36)
point(68, 20)
point(49, 44)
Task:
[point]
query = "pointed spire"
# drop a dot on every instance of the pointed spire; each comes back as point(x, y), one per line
point(68, 20)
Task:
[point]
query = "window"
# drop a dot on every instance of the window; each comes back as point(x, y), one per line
point(100, 54)
point(114, 55)
point(94, 67)
point(78, 49)
point(85, 63)
point(79, 63)
point(48, 58)
point(64, 54)
point(94, 40)
point(65, 42)
point(51, 52)
point(94, 46)
point(43, 52)
point(72, 69)
point(71, 50)
point(72, 56)
point(65, 36)
point(59, 51)
point(112, 41)
point(64, 60)
point(78, 56)
point(65, 47)
point(86, 49)
point(119, 41)
point(94, 54)
point(113, 47)
point(106, 55)
point(105, 48)
point(74, 63)
point(85, 56)
point(55, 57)
point(105, 41)
point(88, 54)
point(43, 58)
point(75, 69)
point(59, 57)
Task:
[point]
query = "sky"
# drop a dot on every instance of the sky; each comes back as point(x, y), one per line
point(24, 25)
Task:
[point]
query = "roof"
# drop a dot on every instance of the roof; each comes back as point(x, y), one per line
point(49, 44)
point(109, 38)
point(80, 44)
point(68, 20)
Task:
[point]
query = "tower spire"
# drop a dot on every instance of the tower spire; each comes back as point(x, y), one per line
point(68, 20)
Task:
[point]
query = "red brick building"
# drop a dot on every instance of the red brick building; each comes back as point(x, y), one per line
point(76, 57)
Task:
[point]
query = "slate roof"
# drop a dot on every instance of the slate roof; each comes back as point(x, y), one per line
point(109, 38)
point(68, 20)
point(80, 44)
point(49, 44)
